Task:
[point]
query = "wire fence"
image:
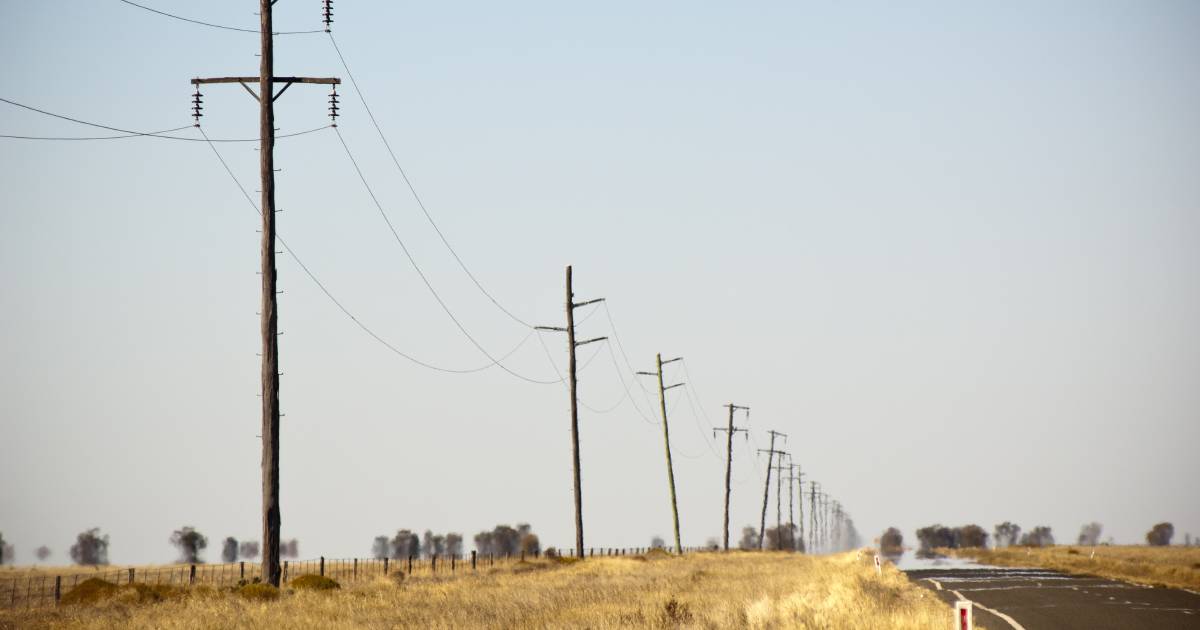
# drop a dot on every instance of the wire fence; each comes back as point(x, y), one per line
point(46, 588)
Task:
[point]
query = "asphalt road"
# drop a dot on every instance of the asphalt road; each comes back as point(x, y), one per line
point(1037, 599)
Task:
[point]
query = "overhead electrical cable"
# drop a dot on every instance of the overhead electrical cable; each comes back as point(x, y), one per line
point(412, 189)
point(424, 279)
point(211, 25)
point(149, 134)
point(77, 138)
point(338, 303)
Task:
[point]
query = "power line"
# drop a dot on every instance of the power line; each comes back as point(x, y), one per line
point(412, 189)
point(149, 134)
point(338, 303)
point(429, 285)
point(210, 24)
point(120, 137)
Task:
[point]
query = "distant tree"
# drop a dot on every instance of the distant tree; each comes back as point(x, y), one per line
point(850, 537)
point(505, 540)
point(248, 549)
point(5, 556)
point(1187, 540)
point(781, 538)
point(229, 550)
point(530, 544)
point(381, 547)
point(891, 543)
point(1089, 535)
point(712, 544)
point(750, 540)
point(656, 542)
point(1160, 535)
point(1007, 534)
point(289, 548)
point(970, 536)
point(406, 544)
point(42, 553)
point(433, 544)
point(190, 543)
point(90, 548)
point(935, 537)
point(454, 544)
point(1039, 537)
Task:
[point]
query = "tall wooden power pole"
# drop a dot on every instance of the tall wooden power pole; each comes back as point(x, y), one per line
point(662, 401)
point(762, 527)
point(573, 385)
point(729, 431)
point(269, 315)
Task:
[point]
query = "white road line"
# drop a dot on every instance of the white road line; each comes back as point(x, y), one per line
point(1012, 622)
point(935, 583)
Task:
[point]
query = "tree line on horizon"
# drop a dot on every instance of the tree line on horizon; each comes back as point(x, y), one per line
point(1006, 534)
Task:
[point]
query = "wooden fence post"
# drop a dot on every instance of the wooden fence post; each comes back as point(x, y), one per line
point(453, 562)
point(192, 575)
point(385, 567)
point(285, 570)
point(242, 568)
point(356, 569)
point(410, 564)
point(433, 563)
point(57, 589)
point(322, 566)
point(131, 573)
point(472, 560)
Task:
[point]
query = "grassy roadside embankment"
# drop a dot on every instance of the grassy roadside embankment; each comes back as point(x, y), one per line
point(703, 590)
point(1177, 567)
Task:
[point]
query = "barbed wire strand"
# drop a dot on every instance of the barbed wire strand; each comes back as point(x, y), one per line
point(211, 25)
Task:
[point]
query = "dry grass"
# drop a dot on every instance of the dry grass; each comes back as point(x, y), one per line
point(736, 590)
point(1156, 566)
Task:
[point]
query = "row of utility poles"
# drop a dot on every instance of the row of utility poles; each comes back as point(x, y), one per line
point(269, 330)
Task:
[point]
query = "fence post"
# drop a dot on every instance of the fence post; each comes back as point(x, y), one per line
point(322, 565)
point(453, 562)
point(410, 564)
point(131, 572)
point(433, 563)
point(242, 568)
point(356, 569)
point(385, 567)
point(472, 560)
point(522, 555)
point(285, 570)
point(192, 575)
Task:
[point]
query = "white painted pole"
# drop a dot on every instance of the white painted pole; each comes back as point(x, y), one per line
point(878, 567)
point(964, 618)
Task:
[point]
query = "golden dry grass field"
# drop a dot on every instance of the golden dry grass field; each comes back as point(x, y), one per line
point(701, 590)
point(1177, 567)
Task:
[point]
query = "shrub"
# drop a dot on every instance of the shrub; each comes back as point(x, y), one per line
point(90, 548)
point(90, 591)
point(891, 543)
point(1160, 535)
point(1039, 537)
point(314, 583)
point(260, 591)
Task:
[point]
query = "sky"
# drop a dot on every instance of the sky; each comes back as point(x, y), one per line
point(952, 250)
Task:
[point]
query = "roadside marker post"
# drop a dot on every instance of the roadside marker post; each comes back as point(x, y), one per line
point(878, 567)
point(964, 615)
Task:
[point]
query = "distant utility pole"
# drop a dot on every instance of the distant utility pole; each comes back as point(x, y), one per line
point(762, 527)
point(799, 477)
point(573, 386)
point(269, 317)
point(779, 467)
point(662, 401)
point(729, 431)
point(812, 513)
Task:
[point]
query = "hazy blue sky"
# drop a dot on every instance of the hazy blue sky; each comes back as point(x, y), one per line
point(952, 249)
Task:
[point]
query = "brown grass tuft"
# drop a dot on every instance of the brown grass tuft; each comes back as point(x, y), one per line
point(313, 582)
point(90, 591)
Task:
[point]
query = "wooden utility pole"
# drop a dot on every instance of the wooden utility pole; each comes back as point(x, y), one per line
point(662, 401)
point(269, 316)
point(729, 431)
point(573, 383)
point(799, 477)
point(812, 533)
point(779, 500)
point(762, 527)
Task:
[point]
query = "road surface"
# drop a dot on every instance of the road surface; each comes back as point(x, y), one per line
point(1039, 599)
